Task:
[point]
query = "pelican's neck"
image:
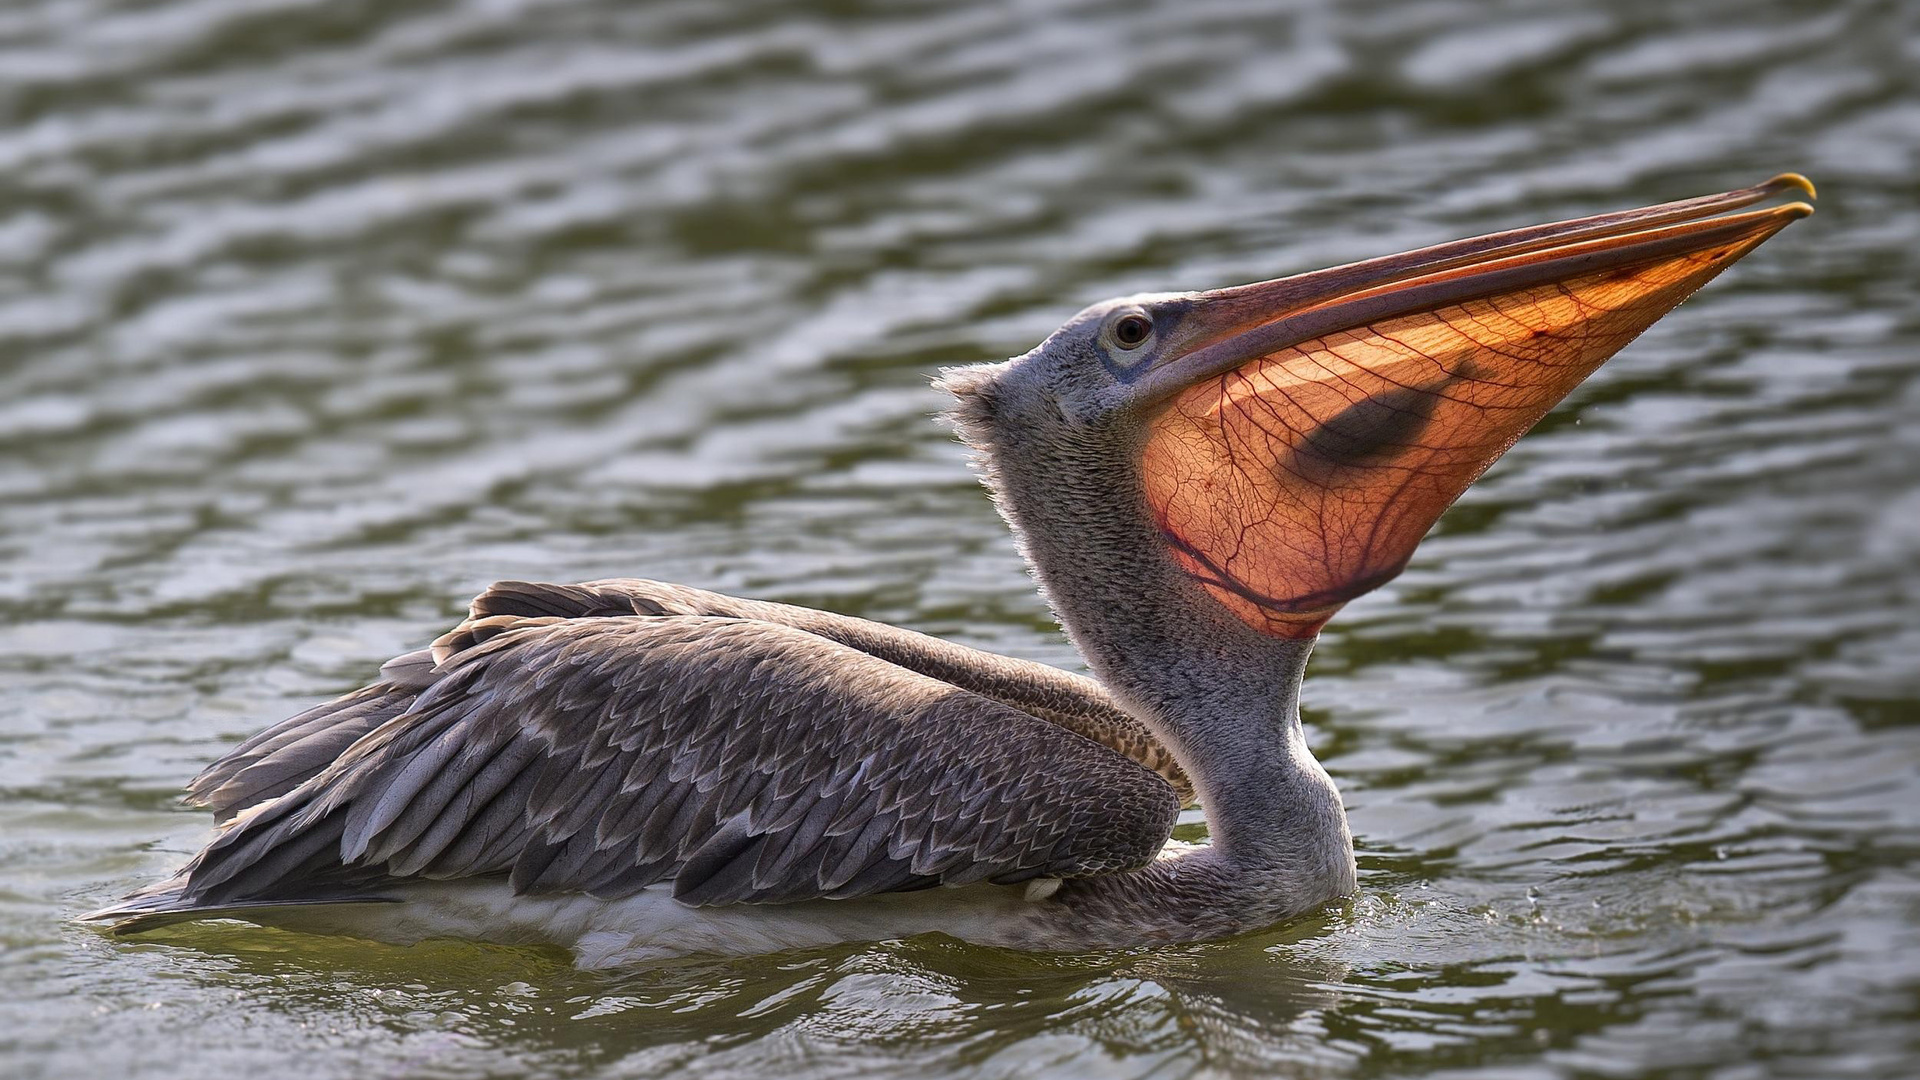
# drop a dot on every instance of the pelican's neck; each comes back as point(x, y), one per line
point(1226, 701)
point(1223, 697)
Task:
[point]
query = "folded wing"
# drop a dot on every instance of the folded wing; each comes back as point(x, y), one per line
point(276, 760)
point(741, 760)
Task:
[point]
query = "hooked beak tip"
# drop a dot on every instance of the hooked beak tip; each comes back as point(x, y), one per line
point(1796, 182)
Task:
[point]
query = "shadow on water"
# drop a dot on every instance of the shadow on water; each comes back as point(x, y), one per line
point(1282, 1000)
point(931, 1001)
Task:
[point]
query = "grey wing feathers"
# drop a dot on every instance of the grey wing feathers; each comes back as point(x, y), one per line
point(742, 760)
point(1059, 697)
point(293, 751)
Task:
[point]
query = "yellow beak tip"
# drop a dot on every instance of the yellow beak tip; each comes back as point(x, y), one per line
point(1792, 180)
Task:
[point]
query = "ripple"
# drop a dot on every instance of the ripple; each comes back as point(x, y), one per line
point(318, 317)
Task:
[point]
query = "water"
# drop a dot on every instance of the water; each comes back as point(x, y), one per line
point(315, 317)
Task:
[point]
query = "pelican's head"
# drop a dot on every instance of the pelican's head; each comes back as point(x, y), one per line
point(1289, 442)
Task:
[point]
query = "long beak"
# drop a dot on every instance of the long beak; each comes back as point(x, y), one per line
point(1315, 427)
point(1253, 320)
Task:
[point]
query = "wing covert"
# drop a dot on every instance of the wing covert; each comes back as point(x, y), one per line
point(1071, 701)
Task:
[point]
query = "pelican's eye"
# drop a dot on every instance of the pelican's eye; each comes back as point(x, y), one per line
point(1126, 336)
point(1132, 330)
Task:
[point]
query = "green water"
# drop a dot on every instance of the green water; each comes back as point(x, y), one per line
point(315, 317)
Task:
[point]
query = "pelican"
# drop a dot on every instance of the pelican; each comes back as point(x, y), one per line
point(634, 770)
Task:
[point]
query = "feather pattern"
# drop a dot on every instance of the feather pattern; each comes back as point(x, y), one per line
point(608, 737)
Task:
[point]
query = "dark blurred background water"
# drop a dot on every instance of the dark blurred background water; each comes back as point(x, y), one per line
point(318, 315)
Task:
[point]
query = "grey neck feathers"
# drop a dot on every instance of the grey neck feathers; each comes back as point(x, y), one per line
point(1222, 696)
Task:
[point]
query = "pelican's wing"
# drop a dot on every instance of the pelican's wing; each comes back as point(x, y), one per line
point(296, 749)
point(276, 760)
point(1072, 701)
point(743, 761)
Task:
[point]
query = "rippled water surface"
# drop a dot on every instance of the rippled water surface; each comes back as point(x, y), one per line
point(315, 317)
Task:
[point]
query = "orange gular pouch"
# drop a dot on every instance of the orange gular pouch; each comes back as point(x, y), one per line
point(1306, 476)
